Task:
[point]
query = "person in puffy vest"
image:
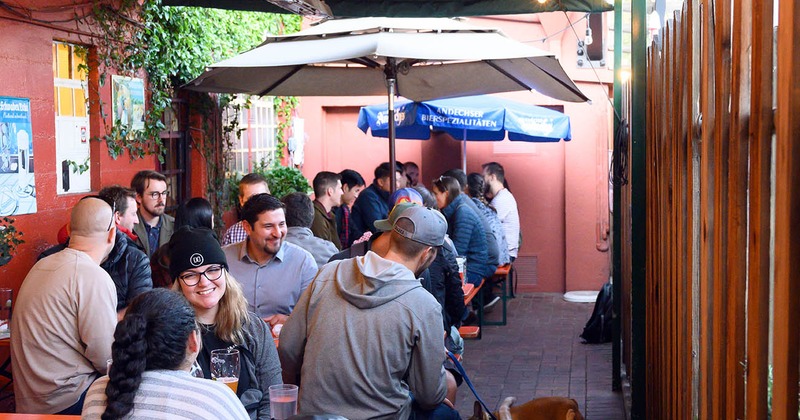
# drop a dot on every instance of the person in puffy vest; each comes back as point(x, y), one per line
point(127, 264)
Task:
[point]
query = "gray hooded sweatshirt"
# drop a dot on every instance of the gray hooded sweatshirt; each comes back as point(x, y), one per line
point(362, 336)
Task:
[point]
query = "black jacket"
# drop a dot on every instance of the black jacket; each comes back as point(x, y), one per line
point(127, 265)
point(444, 283)
point(371, 205)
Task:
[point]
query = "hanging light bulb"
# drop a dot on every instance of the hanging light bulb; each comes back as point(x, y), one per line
point(588, 40)
point(542, 1)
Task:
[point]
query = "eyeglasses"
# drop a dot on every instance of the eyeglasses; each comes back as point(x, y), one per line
point(191, 278)
point(155, 194)
point(111, 203)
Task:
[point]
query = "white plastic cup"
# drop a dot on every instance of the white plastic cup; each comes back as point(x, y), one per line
point(282, 401)
point(462, 268)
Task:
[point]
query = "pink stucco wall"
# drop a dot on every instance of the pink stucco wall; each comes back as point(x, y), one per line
point(561, 188)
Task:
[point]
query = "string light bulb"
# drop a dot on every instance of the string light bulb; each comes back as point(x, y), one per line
point(588, 40)
point(542, 1)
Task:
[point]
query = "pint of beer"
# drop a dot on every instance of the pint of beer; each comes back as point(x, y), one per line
point(225, 367)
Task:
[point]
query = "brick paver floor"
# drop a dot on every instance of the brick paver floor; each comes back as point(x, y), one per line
point(540, 354)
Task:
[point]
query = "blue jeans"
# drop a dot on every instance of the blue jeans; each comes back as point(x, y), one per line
point(75, 409)
point(440, 412)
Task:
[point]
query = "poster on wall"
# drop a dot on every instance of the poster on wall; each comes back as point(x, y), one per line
point(17, 187)
point(127, 101)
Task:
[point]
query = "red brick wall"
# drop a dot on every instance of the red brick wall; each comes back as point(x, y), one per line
point(26, 70)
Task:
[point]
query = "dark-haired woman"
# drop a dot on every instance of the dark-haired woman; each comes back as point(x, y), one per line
point(464, 227)
point(476, 187)
point(154, 347)
point(195, 212)
point(200, 270)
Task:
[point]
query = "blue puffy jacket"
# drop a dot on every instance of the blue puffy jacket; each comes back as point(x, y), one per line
point(466, 231)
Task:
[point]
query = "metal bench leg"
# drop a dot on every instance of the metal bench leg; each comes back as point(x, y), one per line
point(504, 296)
point(480, 312)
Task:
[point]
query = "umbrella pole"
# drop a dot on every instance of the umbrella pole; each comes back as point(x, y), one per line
point(464, 151)
point(391, 80)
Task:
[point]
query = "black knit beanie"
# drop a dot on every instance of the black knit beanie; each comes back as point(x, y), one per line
point(193, 247)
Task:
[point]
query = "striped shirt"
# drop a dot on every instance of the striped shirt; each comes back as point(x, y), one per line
point(170, 394)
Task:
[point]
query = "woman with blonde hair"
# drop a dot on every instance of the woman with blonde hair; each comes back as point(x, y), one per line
point(200, 271)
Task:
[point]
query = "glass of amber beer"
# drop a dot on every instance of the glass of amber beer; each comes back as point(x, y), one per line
point(225, 367)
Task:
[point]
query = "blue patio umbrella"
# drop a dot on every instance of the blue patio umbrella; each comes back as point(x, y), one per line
point(479, 118)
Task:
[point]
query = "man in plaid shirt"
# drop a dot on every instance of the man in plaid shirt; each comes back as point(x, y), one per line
point(250, 185)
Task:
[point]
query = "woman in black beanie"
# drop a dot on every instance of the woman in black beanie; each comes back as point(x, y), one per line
point(200, 271)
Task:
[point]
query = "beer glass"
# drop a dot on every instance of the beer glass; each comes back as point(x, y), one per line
point(225, 367)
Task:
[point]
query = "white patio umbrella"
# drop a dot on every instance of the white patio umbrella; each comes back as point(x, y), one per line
point(417, 58)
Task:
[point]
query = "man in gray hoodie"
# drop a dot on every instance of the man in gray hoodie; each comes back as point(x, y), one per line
point(365, 339)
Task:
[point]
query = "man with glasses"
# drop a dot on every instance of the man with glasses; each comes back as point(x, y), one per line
point(154, 228)
point(65, 316)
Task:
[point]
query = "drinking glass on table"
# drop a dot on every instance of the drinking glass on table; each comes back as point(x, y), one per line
point(225, 367)
point(462, 268)
point(282, 401)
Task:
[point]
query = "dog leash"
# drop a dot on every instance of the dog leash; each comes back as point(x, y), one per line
point(463, 373)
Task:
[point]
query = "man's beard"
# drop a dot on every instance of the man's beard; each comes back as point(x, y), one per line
point(156, 210)
point(270, 251)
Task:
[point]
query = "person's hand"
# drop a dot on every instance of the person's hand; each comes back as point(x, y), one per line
point(449, 404)
point(365, 237)
point(276, 319)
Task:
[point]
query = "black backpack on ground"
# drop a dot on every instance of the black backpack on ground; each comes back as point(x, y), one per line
point(598, 328)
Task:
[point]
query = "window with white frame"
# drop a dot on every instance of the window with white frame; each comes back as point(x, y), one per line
point(256, 127)
point(72, 118)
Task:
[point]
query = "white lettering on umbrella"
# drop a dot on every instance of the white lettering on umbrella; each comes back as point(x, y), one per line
point(383, 117)
point(461, 112)
point(456, 121)
point(536, 125)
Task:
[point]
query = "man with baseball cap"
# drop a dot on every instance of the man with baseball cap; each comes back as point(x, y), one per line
point(367, 324)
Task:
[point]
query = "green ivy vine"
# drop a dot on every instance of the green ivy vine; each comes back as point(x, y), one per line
point(284, 109)
point(172, 45)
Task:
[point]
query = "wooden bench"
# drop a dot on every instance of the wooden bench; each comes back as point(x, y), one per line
point(470, 291)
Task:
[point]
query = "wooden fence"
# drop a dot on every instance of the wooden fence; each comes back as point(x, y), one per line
point(722, 213)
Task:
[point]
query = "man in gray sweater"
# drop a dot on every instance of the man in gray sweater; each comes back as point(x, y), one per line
point(365, 339)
